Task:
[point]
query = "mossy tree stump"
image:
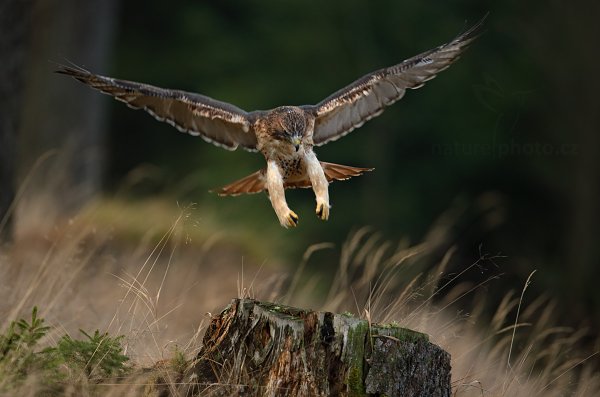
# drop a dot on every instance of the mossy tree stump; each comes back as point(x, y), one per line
point(258, 348)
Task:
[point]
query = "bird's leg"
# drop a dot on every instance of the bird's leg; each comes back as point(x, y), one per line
point(319, 184)
point(287, 217)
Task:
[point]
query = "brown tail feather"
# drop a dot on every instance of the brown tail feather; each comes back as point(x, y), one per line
point(255, 183)
point(333, 172)
point(338, 172)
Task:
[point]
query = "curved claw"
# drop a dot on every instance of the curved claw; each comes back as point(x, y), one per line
point(290, 220)
point(322, 211)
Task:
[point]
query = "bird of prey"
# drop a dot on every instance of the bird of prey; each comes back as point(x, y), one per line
point(285, 135)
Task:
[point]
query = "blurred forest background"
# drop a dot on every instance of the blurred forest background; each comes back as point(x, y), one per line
point(499, 154)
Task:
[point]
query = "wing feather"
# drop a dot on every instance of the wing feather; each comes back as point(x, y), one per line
point(217, 122)
point(367, 97)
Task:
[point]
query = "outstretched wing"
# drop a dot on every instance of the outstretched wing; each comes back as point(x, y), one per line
point(217, 122)
point(368, 96)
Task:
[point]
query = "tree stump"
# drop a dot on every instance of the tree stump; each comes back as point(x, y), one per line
point(263, 349)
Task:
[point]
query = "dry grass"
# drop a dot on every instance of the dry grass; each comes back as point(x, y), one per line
point(158, 291)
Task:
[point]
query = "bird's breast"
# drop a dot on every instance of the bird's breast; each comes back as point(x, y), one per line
point(291, 166)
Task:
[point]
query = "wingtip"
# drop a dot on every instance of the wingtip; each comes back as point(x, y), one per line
point(63, 70)
point(71, 70)
point(474, 31)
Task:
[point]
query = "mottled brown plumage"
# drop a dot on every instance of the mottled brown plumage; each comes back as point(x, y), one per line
point(285, 135)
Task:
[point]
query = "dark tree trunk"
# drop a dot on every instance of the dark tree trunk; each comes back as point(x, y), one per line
point(14, 29)
point(257, 348)
point(61, 117)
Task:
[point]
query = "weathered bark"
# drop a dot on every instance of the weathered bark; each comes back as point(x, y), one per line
point(257, 348)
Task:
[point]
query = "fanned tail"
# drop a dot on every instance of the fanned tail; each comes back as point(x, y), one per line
point(255, 183)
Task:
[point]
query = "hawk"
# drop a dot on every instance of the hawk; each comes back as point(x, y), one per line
point(285, 135)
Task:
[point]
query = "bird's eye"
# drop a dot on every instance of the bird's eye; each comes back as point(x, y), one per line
point(279, 135)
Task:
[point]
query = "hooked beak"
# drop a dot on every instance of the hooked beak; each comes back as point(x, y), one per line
point(296, 141)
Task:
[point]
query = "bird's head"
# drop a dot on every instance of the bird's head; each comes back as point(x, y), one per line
point(289, 125)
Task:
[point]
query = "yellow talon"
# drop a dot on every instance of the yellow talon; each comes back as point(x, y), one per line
point(291, 220)
point(322, 211)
